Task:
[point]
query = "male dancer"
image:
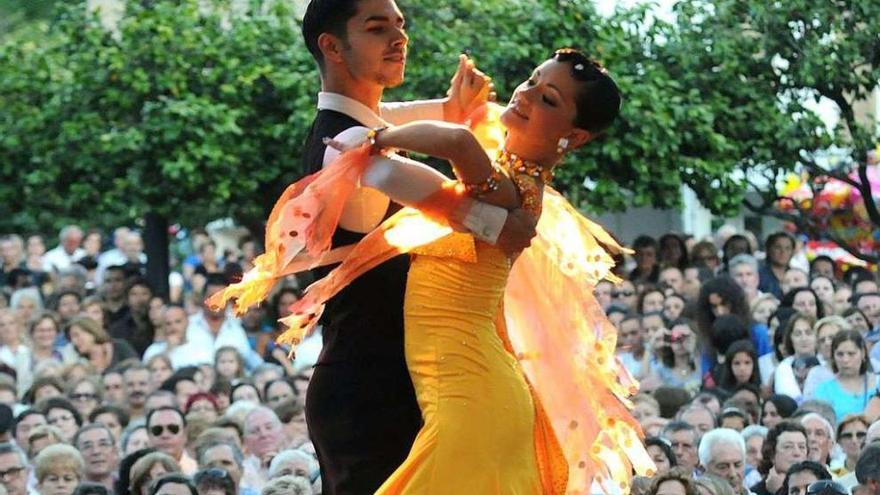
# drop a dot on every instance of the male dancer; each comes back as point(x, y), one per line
point(361, 408)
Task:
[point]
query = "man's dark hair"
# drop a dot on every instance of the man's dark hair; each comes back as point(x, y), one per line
point(776, 236)
point(663, 444)
point(644, 241)
point(122, 485)
point(818, 470)
point(598, 100)
point(47, 405)
point(868, 465)
point(23, 415)
point(88, 488)
point(819, 259)
point(136, 281)
point(769, 449)
point(90, 427)
point(120, 413)
point(166, 408)
point(326, 16)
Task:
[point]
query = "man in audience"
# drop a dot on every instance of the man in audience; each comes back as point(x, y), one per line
point(684, 439)
point(166, 427)
point(95, 443)
point(723, 453)
point(137, 386)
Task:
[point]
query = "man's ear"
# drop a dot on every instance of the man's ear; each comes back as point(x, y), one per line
point(331, 47)
point(579, 137)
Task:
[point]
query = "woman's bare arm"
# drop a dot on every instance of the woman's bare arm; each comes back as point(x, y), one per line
point(457, 144)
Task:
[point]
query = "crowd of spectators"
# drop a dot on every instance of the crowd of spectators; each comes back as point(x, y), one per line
point(108, 388)
point(756, 365)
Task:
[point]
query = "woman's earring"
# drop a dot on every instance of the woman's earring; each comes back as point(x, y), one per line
point(561, 145)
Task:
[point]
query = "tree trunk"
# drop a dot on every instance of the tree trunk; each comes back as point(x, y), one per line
point(156, 247)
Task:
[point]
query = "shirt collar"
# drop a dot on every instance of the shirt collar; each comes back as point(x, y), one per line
point(351, 107)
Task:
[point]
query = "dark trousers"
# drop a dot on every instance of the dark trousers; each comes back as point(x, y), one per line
point(363, 418)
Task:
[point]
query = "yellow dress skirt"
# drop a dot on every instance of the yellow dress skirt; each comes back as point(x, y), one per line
point(479, 417)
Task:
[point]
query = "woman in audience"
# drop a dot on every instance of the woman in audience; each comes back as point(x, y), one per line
point(675, 481)
point(61, 414)
point(826, 329)
point(805, 301)
point(661, 453)
point(86, 394)
point(229, 363)
point(44, 332)
point(851, 434)
point(799, 339)
point(777, 408)
point(149, 468)
point(678, 365)
point(854, 382)
point(58, 469)
point(740, 366)
point(92, 342)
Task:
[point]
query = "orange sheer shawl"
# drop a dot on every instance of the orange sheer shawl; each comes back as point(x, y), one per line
point(552, 322)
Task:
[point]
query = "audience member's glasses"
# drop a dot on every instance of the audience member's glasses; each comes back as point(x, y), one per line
point(850, 435)
point(83, 396)
point(215, 473)
point(157, 430)
point(60, 419)
point(622, 293)
point(11, 473)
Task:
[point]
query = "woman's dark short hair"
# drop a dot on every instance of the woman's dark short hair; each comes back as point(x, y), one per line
point(818, 470)
point(769, 450)
point(598, 101)
point(663, 445)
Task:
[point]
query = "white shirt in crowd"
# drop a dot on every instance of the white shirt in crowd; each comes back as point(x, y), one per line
point(231, 333)
point(58, 259)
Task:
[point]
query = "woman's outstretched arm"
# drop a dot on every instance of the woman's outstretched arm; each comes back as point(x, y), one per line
point(457, 144)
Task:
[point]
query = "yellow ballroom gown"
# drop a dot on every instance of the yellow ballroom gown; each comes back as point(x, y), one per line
point(479, 417)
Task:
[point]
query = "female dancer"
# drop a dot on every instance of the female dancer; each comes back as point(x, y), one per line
point(485, 429)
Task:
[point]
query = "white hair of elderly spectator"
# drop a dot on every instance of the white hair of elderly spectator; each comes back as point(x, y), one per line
point(715, 437)
point(836, 320)
point(291, 455)
point(238, 410)
point(31, 293)
point(288, 485)
point(743, 259)
point(70, 230)
point(873, 432)
point(825, 423)
point(259, 409)
point(754, 431)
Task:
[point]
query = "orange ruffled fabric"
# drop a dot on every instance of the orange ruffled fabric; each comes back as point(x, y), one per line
point(552, 322)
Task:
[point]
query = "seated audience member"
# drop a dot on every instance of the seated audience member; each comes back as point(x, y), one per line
point(149, 468)
point(98, 449)
point(801, 475)
point(723, 453)
point(59, 469)
point(785, 446)
point(673, 482)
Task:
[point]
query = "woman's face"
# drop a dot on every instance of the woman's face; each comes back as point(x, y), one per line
point(753, 450)
point(84, 398)
point(841, 300)
point(45, 392)
point(858, 322)
point(742, 367)
point(763, 310)
point(672, 307)
point(83, 341)
point(543, 108)
point(26, 308)
point(719, 306)
point(659, 458)
point(824, 289)
point(826, 335)
point(848, 358)
point(64, 421)
point(805, 302)
point(95, 312)
point(139, 439)
point(44, 333)
point(203, 407)
point(159, 371)
point(60, 482)
point(770, 417)
point(852, 438)
point(671, 487)
point(68, 306)
point(284, 303)
point(10, 331)
point(683, 341)
point(227, 365)
point(803, 339)
point(652, 302)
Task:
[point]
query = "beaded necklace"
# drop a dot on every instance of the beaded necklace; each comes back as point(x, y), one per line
point(525, 175)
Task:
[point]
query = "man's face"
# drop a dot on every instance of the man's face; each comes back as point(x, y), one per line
point(262, 434)
point(746, 277)
point(684, 444)
point(114, 388)
point(870, 305)
point(114, 284)
point(111, 422)
point(167, 433)
point(71, 241)
point(818, 440)
point(798, 482)
point(781, 251)
point(24, 427)
point(754, 445)
point(793, 279)
point(602, 293)
point(672, 278)
point(630, 336)
point(376, 45)
point(728, 462)
point(175, 324)
point(99, 452)
point(701, 419)
point(183, 389)
point(824, 268)
point(13, 474)
point(139, 299)
point(791, 447)
point(137, 385)
point(221, 457)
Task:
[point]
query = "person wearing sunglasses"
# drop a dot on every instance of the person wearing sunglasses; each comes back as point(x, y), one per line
point(166, 427)
point(214, 481)
point(851, 434)
point(14, 470)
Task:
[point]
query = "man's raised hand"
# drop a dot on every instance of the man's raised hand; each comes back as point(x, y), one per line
point(468, 89)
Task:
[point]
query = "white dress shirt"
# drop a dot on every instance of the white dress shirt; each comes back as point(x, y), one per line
point(231, 333)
